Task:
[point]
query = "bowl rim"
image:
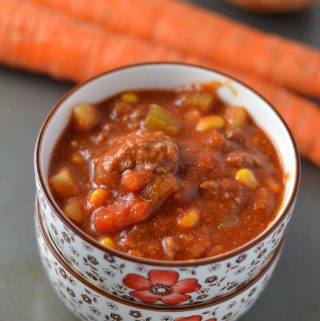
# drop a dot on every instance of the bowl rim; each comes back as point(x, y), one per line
point(191, 307)
point(156, 262)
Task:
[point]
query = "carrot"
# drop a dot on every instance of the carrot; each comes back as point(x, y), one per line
point(301, 115)
point(42, 40)
point(268, 6)
point(192, 30)
point(35, 38)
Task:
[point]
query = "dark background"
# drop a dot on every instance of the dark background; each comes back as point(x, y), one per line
point(25, 293)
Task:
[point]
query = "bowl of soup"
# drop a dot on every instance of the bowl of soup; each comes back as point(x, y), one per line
point(166, 184)
point(89, 302)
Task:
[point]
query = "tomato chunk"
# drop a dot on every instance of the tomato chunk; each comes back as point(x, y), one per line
point(120, 214)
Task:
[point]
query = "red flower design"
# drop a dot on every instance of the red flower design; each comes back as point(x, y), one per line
point(161, 285)
point(194, 318)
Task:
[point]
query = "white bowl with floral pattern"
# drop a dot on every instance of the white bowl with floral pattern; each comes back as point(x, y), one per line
point(89, 302)
point(154, 281)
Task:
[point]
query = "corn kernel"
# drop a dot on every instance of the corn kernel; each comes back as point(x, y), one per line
point(189, 219)
point(74, 210)
point(84, 116)
point(129, 97)
point(107, 241)
point(76, 159)
point(63, 182)
point(246, 177)
point(209, 122)
point(98, 197)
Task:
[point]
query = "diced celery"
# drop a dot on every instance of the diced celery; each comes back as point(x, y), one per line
point(159, 119)
point(201, 101)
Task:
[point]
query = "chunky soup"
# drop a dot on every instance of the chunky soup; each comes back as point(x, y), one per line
point(167, 174)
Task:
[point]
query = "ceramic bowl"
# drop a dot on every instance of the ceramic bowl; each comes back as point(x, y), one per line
point(199, 280)
point(89, 302)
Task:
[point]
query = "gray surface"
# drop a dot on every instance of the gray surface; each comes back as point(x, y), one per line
point(25, 293)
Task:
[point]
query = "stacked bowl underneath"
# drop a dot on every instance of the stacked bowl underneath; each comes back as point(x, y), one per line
point(89, 302)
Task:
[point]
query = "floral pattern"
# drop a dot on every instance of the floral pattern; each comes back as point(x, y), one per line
point(195, 318)
point(88, 304)
point(106, 271)
point(161, 285)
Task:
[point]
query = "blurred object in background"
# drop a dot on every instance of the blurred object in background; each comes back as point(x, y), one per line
point(273, 6)
point(41, 36)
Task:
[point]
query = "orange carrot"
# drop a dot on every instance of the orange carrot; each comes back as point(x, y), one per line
point(42, 40)
point(278, 6)
point(301, 115)
point(36, 38)
point(192, 30)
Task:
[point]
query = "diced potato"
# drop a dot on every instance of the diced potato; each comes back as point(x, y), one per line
point(63, 183)
point(246, 177)
point(159, 119)
point(129, 97)
point(189, 219)
point(85, 116)
point(99, 196)
point(236, 117)
point(107, 242)
point(209, 122)
point(77, 159)
point(74, 210)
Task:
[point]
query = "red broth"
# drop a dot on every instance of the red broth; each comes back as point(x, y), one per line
point(167, 174)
